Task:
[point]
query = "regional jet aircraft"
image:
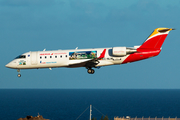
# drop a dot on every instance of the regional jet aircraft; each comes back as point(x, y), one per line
point(91, 58)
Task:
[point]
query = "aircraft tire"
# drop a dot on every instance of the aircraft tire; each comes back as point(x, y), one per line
point(19, 75)
point(92, 71)
point(89, 71)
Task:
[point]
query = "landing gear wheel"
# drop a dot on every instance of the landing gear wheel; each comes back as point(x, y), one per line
point(90, 71)
point(19, 75)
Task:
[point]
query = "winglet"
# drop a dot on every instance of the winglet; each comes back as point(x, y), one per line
point(102, 54)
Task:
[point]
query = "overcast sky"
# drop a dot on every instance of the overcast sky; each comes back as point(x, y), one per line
point(33, 25)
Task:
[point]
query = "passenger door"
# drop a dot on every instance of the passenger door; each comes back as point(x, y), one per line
point(34, 58)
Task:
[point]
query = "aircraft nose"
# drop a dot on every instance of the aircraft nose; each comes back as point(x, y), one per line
point(8, 65)
point(12, 64)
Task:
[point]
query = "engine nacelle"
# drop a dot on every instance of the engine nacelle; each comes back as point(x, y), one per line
point(119, 51)
point(122, 51)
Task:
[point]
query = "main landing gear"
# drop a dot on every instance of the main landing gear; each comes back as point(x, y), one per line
point(90, 71)
point(19, 74)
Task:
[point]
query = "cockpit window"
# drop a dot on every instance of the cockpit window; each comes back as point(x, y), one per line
point(20, 56)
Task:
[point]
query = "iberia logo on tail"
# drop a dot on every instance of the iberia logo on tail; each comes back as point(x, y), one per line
point(151, 47)
point(156, 39)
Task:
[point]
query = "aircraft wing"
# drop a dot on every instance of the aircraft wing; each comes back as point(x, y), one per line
point(88, 63)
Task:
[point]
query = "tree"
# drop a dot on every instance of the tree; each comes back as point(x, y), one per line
point(94, 118)
point(102, 118)
point(106, 118)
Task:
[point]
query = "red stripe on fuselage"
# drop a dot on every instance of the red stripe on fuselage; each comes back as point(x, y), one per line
point(141, 54)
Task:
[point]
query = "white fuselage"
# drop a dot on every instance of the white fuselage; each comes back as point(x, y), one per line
point(63, 58)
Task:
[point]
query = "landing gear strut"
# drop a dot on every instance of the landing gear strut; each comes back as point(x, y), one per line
point(19, 74)
point(90, 71)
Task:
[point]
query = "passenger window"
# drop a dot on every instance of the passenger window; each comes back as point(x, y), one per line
point(40, 57)
point(61, 56)
point(45, 56)
point(50, 56)
point(66, 55)
point(55, 56)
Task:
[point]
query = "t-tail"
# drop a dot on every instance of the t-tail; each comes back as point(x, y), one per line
point(151, 47)
point(156, 39)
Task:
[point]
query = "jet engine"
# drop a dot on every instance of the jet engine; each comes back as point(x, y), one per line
point(122, 51)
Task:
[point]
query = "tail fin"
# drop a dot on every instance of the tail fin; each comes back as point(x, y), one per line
point(156, 39)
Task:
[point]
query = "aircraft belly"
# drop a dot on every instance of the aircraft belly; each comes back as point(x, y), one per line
point(71, 62)
point(119, 60)
point(43, 65)
point(113, 61)
point(52, 64)
point(105, 63)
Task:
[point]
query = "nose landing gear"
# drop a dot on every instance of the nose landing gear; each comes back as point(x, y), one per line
point(19, 74)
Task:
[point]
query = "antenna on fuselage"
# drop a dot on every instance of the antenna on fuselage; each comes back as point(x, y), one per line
point(44, 49)
point(76, 48)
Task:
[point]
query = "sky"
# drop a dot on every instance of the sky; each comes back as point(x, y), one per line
point(33, 25)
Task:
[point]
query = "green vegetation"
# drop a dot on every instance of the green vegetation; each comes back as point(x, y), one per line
point(94, 118)
point(102, 118)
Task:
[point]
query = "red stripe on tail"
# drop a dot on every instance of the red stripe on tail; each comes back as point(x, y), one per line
point(154, 42)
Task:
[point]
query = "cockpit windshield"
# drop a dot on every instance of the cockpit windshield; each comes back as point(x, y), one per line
point(20, 56)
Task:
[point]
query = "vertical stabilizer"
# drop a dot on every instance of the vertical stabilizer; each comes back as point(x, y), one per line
point(156, 39)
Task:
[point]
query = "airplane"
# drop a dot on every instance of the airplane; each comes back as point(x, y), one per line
point(91, 58)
